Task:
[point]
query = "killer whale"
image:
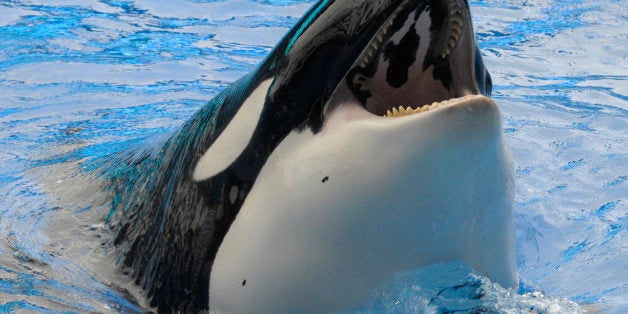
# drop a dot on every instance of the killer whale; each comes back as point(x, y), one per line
point(363, 145)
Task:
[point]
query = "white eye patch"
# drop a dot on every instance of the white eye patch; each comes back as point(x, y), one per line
point(235, 138)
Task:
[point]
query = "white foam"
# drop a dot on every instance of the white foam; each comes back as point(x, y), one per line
point(455, 287)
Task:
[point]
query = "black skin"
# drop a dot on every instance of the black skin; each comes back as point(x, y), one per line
point(169, 228)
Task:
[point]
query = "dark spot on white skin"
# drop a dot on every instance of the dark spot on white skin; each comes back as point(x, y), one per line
point(325, 179)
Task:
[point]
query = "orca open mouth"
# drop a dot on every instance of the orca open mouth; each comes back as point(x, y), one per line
point(423, 57)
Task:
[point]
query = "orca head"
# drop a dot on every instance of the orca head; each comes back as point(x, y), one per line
point(298, 153)
point(388, 54)
point(381, 55)
point(387, 155)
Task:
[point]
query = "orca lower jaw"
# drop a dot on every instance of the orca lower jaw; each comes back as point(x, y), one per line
point(403, 111)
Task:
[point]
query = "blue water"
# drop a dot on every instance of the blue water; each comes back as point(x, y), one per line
point(81, 80)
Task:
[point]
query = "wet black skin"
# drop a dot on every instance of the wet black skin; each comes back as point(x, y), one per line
point(169, 227)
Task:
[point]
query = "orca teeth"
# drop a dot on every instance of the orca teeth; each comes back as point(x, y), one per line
point(455, 30)
point(402, 111)
point(377, 41)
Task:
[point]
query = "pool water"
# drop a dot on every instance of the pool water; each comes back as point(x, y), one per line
point(83, 80)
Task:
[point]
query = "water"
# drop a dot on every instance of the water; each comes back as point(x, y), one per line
point(82, 80)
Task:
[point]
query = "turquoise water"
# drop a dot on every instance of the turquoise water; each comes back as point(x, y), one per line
point(82, 80)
